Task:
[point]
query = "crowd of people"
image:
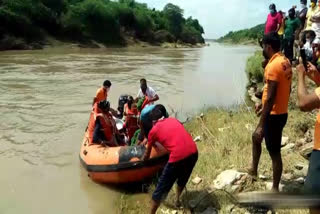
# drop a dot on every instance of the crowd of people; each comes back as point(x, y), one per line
point(299, 31)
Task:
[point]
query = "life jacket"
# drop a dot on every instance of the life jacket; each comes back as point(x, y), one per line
point(131, 121)
point(145, 103)
point(107, 122)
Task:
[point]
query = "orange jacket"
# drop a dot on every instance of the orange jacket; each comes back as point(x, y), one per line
point(106, 121)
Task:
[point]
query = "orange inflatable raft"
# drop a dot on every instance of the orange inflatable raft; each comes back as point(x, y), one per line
point(118, 165)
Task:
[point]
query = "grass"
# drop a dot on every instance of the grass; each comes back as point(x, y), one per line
point(225, 144)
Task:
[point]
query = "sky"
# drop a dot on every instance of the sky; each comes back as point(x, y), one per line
point(218, 17)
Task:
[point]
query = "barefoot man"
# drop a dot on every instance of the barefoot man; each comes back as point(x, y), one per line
point(274, 114)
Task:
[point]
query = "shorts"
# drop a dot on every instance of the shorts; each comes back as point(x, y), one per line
point(312, 184)
point(179, 171)
point(273, 132)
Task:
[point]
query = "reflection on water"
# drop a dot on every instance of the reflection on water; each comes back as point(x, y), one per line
point(45, 99)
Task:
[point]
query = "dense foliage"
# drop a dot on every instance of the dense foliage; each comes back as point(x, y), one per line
point(100, 20)
point(254, 68)
point(252, 34)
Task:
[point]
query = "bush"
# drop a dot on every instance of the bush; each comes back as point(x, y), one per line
point(254, 68)
point(95, 20)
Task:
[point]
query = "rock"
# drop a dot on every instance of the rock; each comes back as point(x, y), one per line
point(197, 200)
point(234, 188)
point(301, 142)
point(229, 208)
point(300, 180)
point(249, 127)
point(222, 129)
point(301, 173)
point(288, 147)
point(269, 186)
point(284, 141)
point(306, 150)
point(299, 166)
point(196, 180)
point(210, 210)
point(227, 178)
point(197, 139)
point(309, 136)
point(263, 177)
point(287, 176)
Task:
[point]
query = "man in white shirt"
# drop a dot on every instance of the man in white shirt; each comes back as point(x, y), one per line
point(145, 90)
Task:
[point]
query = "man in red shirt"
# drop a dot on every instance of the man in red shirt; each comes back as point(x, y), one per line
point(183, 155)
point(274, 20)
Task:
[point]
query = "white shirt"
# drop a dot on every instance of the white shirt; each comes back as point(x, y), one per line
point(316, 25)
point(150, 93)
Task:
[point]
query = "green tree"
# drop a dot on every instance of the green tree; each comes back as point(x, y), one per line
point(175, 20)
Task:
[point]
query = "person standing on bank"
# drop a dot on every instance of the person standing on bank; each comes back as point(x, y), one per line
point(278, 76)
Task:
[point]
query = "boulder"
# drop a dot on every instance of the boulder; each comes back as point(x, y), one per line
point(288, 147)
point(284, 141)
point(299, 166)
point(300, 180)
point(263, 177)
point(306, 150)
point(227, 178)
point(197, 139)
point(196, 180)
point(287, 176)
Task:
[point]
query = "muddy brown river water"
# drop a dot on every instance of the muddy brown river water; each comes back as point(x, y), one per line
point(45, 100)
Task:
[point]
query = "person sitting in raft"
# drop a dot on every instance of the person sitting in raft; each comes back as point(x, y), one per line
point(183, 155)
point(102, 93)
point(146, 122)
point(147, 92)
point(102, 127)
point(131, 114)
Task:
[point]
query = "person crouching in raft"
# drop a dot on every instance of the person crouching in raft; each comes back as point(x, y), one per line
point(131, 121)
point(183, 155)
point(102, 127)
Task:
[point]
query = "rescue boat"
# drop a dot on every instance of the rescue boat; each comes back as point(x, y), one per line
point(119, 165)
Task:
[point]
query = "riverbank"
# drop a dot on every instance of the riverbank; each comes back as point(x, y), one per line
point(12, 43)
point(224, 141)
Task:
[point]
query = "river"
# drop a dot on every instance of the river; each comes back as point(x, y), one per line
point(45, 100)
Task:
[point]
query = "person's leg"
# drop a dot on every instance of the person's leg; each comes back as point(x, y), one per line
point(185, 169)
point(291, 55)
point(166, 181)
point(154, 206)
point(312, 184)
point(277, 170)
point(256, 152)
point(277, 123)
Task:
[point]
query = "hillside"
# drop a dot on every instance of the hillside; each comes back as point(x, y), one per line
point(27, 24)
point(244, 36)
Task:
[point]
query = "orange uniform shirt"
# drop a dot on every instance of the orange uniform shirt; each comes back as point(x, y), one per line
point(279, 70)
point(317, 127)
point(101, 95)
